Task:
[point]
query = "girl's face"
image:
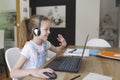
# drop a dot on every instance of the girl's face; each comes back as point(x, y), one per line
point(45, 29)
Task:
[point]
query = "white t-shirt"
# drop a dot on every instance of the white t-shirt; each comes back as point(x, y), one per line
point(35, 54)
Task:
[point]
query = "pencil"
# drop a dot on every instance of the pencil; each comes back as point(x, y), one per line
point(75, 77)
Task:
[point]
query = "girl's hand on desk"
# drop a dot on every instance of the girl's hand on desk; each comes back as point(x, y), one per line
point(39, 73)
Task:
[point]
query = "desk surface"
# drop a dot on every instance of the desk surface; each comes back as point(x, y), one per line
point(108, 67)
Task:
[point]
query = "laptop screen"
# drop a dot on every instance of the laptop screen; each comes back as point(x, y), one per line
point(85, 45)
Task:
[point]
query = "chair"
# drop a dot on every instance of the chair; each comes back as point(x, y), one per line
point(97, 42)
point(11, 56)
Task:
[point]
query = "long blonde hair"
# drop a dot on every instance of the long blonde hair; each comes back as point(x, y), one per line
point(26, 27)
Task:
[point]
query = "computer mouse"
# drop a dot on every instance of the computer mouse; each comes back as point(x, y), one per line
point(50, 75)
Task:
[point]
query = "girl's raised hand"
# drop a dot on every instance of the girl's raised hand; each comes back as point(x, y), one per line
point(61, 40)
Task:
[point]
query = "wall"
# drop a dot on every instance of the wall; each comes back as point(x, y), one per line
point(7, 5)
point(87, 19)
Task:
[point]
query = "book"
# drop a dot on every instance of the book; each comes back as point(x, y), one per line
point(109, 54)
point(94, 52)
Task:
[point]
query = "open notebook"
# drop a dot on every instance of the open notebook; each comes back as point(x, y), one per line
point(67, 63)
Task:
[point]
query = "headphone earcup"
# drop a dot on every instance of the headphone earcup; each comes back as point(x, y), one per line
point(36, 32)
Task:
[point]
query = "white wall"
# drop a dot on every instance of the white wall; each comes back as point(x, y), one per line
point(7, 5)
point(87, 19)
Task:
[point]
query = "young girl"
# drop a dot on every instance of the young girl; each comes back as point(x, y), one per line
point(33, 41)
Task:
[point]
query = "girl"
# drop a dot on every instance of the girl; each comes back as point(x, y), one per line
point(33, 41)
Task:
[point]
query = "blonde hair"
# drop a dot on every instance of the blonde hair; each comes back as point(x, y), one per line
point(26, 27)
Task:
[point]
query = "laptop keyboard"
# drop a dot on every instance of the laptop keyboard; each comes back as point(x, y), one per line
point(65, 63)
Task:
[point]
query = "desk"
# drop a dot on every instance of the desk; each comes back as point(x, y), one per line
point(93, 64)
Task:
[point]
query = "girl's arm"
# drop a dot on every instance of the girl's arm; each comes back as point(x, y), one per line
point(18, 72)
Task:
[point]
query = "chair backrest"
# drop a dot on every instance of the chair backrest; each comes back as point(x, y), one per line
point(11, 56)
point(97, 42)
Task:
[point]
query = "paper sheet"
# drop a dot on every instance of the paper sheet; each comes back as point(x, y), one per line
point(95, 76)
point(76, 52)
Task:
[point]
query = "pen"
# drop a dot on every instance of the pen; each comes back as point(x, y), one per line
point(73, 50)
point(75, 77)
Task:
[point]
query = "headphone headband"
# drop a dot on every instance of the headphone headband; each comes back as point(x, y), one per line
point(40, 20)
point(36, 30)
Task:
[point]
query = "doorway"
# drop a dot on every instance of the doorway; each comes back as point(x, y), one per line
point(109, 22)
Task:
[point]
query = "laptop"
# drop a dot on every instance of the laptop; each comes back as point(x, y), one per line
point(67, 63)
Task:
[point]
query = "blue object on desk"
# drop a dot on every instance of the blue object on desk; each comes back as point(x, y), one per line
point(93, 52)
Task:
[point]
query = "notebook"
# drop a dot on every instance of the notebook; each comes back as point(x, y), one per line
point(67, 63)
point(109, 54)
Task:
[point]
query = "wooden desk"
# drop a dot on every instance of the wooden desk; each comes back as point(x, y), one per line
point(108, 67)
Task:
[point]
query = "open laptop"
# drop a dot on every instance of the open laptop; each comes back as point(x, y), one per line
point(67, 63)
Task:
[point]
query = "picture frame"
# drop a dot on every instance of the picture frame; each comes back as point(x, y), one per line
point(55, 13)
